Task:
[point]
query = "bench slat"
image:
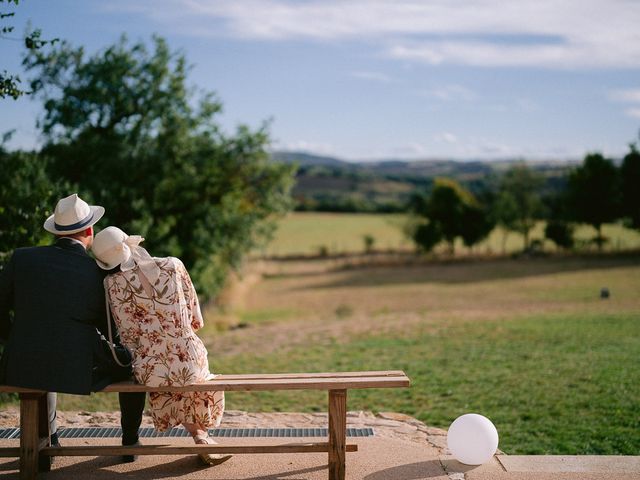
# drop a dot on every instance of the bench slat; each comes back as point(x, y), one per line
point(104, 450)
point(265, 376)
point(299, 381)
point(221, 383)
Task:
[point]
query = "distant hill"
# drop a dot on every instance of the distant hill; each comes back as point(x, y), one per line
point(306, 159)
point(331, 184)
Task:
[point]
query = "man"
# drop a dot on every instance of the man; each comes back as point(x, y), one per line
point(53, 340)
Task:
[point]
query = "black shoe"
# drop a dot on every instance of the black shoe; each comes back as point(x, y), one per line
point(130, 458)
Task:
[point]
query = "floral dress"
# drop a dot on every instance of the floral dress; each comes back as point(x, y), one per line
point(157, 325)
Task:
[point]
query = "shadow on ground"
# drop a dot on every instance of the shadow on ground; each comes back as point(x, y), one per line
point(467, 272)
point(412, 471)
point(98, 469)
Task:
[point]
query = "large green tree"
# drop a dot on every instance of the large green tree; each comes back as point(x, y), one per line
point(518, 205)
point(630, 178)
point(122, 126)
point(594, 193)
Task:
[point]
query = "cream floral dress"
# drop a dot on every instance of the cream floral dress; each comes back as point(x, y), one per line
point(157, 324)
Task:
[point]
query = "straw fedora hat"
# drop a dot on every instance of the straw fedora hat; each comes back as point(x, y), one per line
point(72, 215)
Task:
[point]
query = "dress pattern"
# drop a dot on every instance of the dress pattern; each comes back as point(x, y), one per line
point(157, 325)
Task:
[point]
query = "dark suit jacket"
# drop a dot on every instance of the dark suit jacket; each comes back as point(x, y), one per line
point(57, 297)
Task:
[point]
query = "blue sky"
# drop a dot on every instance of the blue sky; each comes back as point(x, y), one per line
point(372, 79)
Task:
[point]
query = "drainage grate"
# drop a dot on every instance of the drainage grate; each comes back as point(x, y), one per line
point(149, 432)
point(6, 433)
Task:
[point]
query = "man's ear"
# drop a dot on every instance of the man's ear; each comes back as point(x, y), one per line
point(89, 232)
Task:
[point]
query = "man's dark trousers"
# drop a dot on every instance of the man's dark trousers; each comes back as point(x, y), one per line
point(131, 408)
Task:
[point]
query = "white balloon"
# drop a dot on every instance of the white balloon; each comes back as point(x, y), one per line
point(472, 439)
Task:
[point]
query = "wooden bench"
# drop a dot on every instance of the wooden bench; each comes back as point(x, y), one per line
point(35, 449)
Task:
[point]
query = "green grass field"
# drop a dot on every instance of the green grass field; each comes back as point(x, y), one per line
point(553, 384)
point(303, 233)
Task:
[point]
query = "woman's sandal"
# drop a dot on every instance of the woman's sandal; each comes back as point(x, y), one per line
point(210, 458)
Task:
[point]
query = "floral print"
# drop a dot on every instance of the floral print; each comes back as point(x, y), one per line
point(157, 325)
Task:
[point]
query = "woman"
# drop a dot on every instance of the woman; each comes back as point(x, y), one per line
point(156, 311)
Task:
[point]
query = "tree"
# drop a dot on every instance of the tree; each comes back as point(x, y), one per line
point(124, 128)
point(505, 213)
point(451, 211)
point(10, 83)
point(559, 228)
point(27, 197)
point(518, 205)
point(426, 236)
point(594, 193)
point(476, 224)
point(446, 207)
point(369, 242)
point(630, 178)
point(560, 233)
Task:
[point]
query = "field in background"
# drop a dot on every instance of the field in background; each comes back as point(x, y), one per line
point(529, 343)
point(302, 233)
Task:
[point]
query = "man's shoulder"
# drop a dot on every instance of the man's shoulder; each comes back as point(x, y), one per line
point(26, 252)
point(52, 252)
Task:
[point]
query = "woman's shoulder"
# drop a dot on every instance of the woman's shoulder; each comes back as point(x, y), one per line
point(116, 277)
point(170, 263)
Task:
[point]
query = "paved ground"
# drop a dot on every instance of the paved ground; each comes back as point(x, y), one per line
point(402, 449)
point(377, 459)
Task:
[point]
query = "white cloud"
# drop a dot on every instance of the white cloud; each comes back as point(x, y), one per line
point(631, 95)
point(536, 33)
point(633, 112)
point(446, 137)
point(373, 76)
point(449, 93)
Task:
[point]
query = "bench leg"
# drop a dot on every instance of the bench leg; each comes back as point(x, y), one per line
point(337, 433)
point(29, 435)
point(44, 434)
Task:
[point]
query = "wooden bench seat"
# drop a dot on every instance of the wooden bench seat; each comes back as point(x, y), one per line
point(35, 450)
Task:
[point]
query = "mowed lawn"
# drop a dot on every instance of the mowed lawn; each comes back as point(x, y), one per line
point(528, 343)
point(307, 233)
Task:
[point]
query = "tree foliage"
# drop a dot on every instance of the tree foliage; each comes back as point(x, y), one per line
point(594, 193)
point(123, 127)
point(518, 205)
point(476, 224)
point(10, 83)
point(26, 198)
point(560, 233)
point(630, 178)
point(450, 211)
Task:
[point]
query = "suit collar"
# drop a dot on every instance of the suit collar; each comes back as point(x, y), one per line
point(71, 245)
